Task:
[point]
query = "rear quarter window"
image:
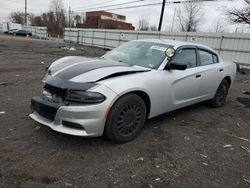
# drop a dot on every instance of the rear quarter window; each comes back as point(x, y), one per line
point(207, 58)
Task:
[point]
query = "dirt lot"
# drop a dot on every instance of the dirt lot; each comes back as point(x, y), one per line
point(179, 149)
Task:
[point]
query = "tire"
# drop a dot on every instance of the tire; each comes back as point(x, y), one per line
point(126, 119)
point(220, 95)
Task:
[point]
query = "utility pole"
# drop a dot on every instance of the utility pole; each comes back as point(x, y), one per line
point(162, 14)
point(26, 12)
point(69, 15)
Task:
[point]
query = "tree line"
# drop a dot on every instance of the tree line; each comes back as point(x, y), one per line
point(55, 19)
point(189, 18)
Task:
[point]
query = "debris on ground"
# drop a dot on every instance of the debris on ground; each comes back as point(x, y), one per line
point(186, 138)
point(140, 159)
point(3, 83)
point(2, 112)
point(151, 186)
point(242, 138)
point(246, 180)
point(246, 148)
point(246, 92)
point(42, 63)
point(202, 155)
point(157, 166)
point(37, 127)
point(246, 81)
point(227, 146)
point(238, 124)
point(157, 179)
point(17, 75)
point(72, 49)
point(68, 184)
point(132, 176)
point(67, 48)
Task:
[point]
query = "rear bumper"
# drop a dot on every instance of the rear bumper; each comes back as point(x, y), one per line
point(87, 121)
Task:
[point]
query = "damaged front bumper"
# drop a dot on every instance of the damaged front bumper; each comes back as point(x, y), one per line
point(77, 120)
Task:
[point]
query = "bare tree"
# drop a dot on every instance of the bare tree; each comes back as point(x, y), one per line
point(17, 17)
point(153, 28)
point(35, 20)
point(241, 15)
point(57, 17)
point(189, 17)
point(78, 19)
point(143, 24)
point(219, 26)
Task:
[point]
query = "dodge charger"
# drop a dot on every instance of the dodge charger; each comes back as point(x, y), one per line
point(115, 94)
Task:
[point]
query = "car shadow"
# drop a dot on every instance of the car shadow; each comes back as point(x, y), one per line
point(245, 101)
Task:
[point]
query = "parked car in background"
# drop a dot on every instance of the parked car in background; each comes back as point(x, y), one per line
point(22, 33)
point(115, 94)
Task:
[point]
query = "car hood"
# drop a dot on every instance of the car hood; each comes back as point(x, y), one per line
point(72, 72)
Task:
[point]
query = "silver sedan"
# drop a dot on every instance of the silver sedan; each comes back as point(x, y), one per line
point(115, 94)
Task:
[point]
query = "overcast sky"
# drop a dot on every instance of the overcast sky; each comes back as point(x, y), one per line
point(212, 11)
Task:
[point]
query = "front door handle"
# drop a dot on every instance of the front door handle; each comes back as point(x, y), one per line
point(221, 70)
point(198, 76)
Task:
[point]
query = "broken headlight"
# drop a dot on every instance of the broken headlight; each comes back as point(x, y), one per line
point(84, 97)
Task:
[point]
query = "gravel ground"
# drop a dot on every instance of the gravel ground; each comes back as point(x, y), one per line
point(197, 146)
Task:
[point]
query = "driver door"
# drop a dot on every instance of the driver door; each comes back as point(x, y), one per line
point(182, 86)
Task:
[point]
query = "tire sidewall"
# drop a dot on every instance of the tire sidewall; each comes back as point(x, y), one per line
point(216, 103)
point(111, 125)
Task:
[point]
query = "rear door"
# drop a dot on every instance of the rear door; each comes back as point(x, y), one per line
point(211, 71)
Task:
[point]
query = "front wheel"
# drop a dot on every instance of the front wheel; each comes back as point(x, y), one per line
point(220, 95)
point(126, 119)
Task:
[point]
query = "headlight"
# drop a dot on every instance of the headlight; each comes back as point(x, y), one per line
point(84, 96)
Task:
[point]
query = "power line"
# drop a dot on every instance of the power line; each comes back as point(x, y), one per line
point(96, 4)
point(119, 4)
point(144, 5)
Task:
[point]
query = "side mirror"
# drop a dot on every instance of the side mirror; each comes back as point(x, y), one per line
point(176, 66)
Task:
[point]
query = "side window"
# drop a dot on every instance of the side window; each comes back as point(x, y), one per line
point(207, 58)
point(186, 56)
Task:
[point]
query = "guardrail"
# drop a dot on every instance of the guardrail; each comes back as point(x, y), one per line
point(231, 46)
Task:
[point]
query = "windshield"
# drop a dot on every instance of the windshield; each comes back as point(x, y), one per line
point(145, 54)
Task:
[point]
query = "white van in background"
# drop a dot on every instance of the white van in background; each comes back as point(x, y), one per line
point(7, 26)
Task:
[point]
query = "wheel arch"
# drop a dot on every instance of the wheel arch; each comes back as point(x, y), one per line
point(228, 79)
point(144, 95)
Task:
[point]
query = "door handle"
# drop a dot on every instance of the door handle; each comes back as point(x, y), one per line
point(198, 76)
point(221, 70)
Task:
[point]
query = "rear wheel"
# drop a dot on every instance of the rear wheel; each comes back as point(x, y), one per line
point(220, 95)
point(126, 119)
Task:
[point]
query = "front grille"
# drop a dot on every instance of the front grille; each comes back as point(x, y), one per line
point(59, 92)
point(44, 108)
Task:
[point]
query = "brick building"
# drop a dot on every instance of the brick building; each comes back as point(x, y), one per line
point(106, 20)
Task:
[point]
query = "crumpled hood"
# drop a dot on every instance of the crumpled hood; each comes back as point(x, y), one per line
point(72, 71)
point(82, 69)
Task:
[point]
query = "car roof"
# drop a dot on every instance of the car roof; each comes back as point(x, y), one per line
point(176, 44)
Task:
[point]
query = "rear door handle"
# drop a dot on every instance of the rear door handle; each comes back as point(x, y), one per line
point(221, 70)
point(198, 76)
